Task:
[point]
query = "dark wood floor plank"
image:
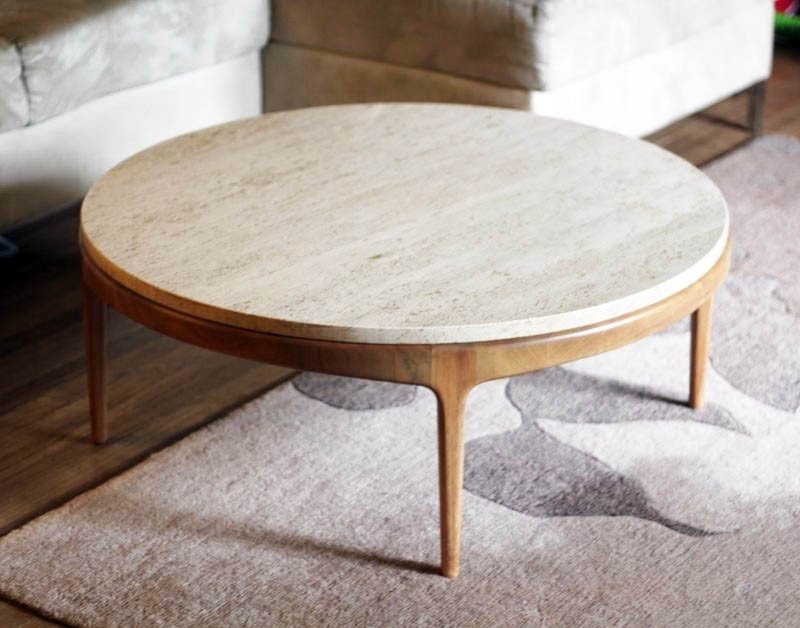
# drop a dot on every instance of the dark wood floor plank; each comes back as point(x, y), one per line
point(12, 616)
point(160, 389)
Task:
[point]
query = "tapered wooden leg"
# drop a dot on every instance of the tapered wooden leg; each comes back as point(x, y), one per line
point(94, 333)
point(701, 336)
point(452, 403)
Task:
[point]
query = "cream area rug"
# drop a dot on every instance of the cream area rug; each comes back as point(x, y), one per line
point(593, 495)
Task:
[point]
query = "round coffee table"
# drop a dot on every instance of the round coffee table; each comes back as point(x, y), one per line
point(435, 245)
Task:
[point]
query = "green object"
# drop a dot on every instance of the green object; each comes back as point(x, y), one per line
point(787, 28)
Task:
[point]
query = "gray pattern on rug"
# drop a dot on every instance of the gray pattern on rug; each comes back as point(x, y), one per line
point(756, 341)
point(530, 471)
point(349, 393)
point(756, 324)
point(564, 395)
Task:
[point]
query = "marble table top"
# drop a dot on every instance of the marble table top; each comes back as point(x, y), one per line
point(403, 223)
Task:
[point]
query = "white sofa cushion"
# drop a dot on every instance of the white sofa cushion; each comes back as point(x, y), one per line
point(48, 165)
point(650, 91)
point(75, 50)
point(13, 100)
point(574, 39)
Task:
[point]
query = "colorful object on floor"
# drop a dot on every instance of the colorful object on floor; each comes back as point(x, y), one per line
point(787, 21)
point(791, 7)
point(787, 28)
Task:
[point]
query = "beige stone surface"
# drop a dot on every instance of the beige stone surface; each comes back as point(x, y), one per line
point(405, 224)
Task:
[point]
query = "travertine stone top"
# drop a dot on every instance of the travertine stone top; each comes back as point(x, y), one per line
point(405, 224)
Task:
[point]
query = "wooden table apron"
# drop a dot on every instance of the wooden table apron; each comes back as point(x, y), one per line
point(449, 370)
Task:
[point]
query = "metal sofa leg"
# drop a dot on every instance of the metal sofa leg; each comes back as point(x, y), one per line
point(755, 115)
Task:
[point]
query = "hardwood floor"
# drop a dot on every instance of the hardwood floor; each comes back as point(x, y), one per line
point(159, 389)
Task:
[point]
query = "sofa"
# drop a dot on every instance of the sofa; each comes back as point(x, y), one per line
point(85, 83)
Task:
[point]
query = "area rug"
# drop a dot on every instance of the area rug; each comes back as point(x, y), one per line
point(593, 495)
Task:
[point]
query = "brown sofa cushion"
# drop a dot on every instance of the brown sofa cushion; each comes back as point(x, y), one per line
point(490, 40)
